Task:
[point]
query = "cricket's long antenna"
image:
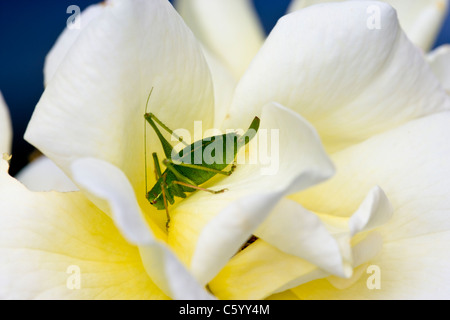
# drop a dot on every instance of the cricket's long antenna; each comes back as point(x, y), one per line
point(145, 143)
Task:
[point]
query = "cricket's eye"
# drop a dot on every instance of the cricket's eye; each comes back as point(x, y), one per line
point(155, 199)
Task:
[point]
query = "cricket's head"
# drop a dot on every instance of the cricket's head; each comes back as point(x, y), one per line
point(155, 200)
point(250, 134)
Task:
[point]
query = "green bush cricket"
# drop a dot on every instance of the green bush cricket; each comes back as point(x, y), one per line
point(185, 171)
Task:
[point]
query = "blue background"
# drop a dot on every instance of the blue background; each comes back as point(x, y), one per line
point(28, 29)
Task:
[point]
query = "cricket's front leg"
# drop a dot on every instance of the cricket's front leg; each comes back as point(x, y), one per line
point(151, 119)
point(199, 188)
point(158, 173)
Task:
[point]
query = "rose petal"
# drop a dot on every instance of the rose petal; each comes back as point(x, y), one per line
point(421, 19)
point(229, 29)
point(439, 60)
point(66, 40)
point(207, 230)
point(259, 271)
point(348, 80)
point(224, 86)
point(109, 183)
point(285, 295)
point(414, 268)
point(43, 175)
point(298, 232)
point(362, 252)
point(322, 239)
point(294, 233)
point(45, 238)
point(411, 163)
point(95, 105)
point(375, 211)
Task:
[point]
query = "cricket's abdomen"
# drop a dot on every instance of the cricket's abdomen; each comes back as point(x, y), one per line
point(216, 152)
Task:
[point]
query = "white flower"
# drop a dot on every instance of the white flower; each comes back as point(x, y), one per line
point(371, 96)
point(382, 114)
point(89, 121)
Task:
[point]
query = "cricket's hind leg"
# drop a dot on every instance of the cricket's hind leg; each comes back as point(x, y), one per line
point(199, 188)
point(186, 182)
